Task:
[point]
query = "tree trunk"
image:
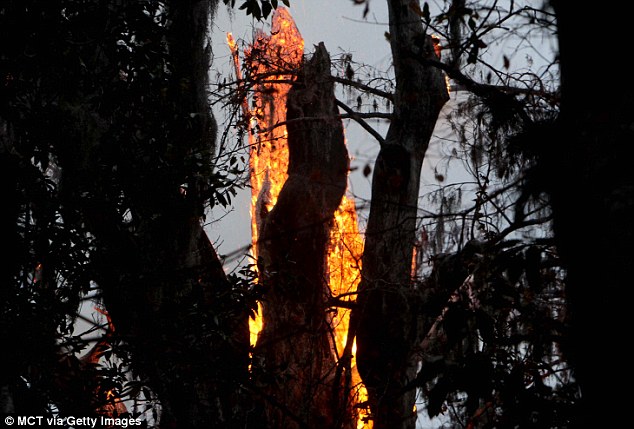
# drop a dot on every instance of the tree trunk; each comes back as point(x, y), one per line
point(591, 179)
point(385, 317)
point(294, 360)
point(162, 281)
point(169, 296)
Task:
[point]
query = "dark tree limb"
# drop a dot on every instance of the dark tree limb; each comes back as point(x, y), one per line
point(364, 88)
point(587, 158)
point(358, 119)
point(385, 321)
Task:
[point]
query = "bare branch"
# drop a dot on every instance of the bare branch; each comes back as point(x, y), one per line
point(340, 303)
point(364, 87)
point(355, 116)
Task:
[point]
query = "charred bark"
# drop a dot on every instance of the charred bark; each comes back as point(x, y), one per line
point(385, 318)
point(294, 360)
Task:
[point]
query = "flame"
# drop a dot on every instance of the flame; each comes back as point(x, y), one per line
point(344, 270)
point(269, 61)
point(38, 273)
point(233, 46)
point(344, 265)
point(110, 395)
point(414, 262)
point(272, 55)
point(435, 39)
point(113, 405)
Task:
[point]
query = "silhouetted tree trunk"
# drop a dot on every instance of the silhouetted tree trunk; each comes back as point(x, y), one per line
point(385, 317)
point(294, 359)
point(168, 294)
point(590, 169)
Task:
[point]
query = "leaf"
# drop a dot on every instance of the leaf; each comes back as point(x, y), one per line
point(437, 396)
point(472, 24)
point(266, 8)
point(507, 62)
point(367, 170)
point(349, 72)
point(221, 199)
point(426, 15)
point(455, 323)
point(472, 58)
point(287, 3)
point(255, 10)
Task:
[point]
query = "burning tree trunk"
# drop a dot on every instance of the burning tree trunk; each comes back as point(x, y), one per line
point(295, 363)
point(385, 318)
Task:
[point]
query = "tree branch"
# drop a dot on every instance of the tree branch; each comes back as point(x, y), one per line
point(487, 91)
point(364, 87)
point(353, 115)
point(357, 118)
point(340, 303)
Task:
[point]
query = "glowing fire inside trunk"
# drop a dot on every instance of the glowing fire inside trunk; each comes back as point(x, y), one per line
point(344, 270)
point(269, 58)
point(270, 61)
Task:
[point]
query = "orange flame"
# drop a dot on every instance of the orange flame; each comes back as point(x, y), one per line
point(344, 264)
point(438, 51)
point(270, 61)
point(344, 271)
point(435, 39)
